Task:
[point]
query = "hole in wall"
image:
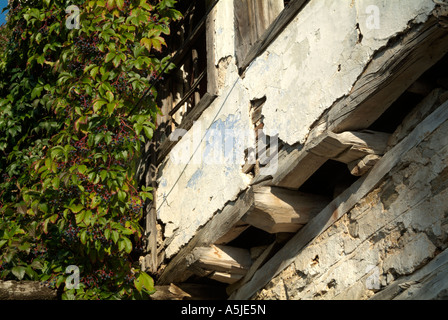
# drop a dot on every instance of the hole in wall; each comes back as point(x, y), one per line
point(252, 237)
point(330, 178)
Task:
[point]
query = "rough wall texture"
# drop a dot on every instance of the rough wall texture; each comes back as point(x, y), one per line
point(319, 56)
point(392, 235)
point(315, 61)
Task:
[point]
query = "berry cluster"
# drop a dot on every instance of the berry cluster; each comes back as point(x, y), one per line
point(97, 234)
point(122, 86)
point(87, 46)
point(50, 283)
point(136, 205)
point(90, 281)
point(123, 220)
point(129, 279)
point(103, 275)
point(75, 66)
point(39, 251)
point(70, 234)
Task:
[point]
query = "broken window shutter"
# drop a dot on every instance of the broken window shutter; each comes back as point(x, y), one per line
point(252, 18)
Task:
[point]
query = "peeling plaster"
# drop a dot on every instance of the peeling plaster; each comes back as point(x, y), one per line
point(318, 58)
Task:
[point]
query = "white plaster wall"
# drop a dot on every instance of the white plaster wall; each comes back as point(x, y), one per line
point(318, 58)
point(224, 33)
point(203, 171)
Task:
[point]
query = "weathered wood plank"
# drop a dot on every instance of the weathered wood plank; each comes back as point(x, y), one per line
point(295, 166)
point(282, 210)
point(341, 205)
point(225, 277)
point(220, 258)
point(233, 233)
point(26, 290)
point(218, 226)
point(252, 18)
point(361, 167)
point(392, 70)
point(272, 32)
point(350, 146)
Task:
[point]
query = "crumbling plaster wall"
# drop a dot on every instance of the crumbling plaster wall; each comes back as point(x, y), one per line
point(319, 56)
point(315, 61)
point(394, 231)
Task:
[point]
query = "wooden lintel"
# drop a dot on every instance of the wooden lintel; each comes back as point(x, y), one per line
point(220, 258)
point(233, 233)
point(225, 277)
point(350, 146)
point(177, 269)
point(282, 210)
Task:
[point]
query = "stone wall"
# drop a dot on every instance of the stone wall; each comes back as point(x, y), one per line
point(388, 245)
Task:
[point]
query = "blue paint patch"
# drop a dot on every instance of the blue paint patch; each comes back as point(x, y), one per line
point(221, 139)
point(163, 183)
point(194, 179)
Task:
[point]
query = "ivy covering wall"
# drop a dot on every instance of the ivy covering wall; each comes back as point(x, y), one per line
point(70, 138)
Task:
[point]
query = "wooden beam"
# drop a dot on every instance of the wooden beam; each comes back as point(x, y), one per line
point(225, 277)
point(281, 210)
point(26, 290)
point(276, 27)
point(224, 261)
point(221, 223)
point(233, 233)
point(361, 167)
point(295, 167)
point(341, 205)
point(390, 73)
point(350, 146)
point(266, 254)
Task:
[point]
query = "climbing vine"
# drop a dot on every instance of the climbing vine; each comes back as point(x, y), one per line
point(70, 138)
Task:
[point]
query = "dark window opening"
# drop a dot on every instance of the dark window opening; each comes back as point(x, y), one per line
point(183, 87)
